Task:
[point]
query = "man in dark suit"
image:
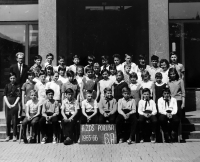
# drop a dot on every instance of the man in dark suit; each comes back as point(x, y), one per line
point(20, 69)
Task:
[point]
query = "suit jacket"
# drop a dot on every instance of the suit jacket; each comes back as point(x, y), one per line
point(20, 80)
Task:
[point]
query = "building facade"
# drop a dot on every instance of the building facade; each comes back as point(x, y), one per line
point(102, 27)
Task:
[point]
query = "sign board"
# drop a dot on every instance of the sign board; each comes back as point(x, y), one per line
point(98, 134)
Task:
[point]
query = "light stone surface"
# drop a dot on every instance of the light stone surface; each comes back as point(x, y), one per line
point(158, 29)
point(47, 29)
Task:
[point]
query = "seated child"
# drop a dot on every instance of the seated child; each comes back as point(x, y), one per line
point(127, 112)
point(89, 110)
point(33, 107)
point(50, 111)
point(107, 107)
point(167, 106)
point(69, 111)
point(147, 111)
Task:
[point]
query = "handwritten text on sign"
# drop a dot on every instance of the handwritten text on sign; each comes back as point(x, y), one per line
point(98, 134)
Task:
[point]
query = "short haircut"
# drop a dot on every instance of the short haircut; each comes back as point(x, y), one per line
point(37, 57)
point(88, 68)
point(154, 57)
point(164, 61)
point(104, 57)
point(128, 54)
point(158, 75)
point(117, 56)
point(89, 92)
point(61, 57)
point(145, 73)
point(30, 72)
point(42, 72)
point(112, 67)
point(12, 74)
point(56, 72)
point(141, 57)
point(61, 69)
point(166, 89)
point(134, 75)
point(50, 54)
point(33, 91)
point(91, 57)
point(96, 64)
point(120, 72)
point(127, 65)
point(146, 90)
point(107, 89)
point(80, 67)
point(19, 54)
point(126, 89)
point(173, 70)
point(76, 56)
point(105, 70)
point(70, 73)
point(173, 53)
point(69, 90)
point(49, 67)
point(49, 91)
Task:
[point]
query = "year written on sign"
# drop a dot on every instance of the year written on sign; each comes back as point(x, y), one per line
point(98, 134)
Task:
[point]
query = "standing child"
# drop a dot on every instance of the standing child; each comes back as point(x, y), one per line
point(147, 111)
point(89, 110)
point(40, 86)
point(49, 73)
point(113, 71)
point(62, 77)
point(159, 86)
point(76, 60)
point(88, 84)
point(164, 64)
point(33, 107)
point(104, 83)
point(178, 66)
point(177, 89)
point(127, 112)
point(69, 111)
point(135, 87)
point(37, 60)
point(117, 62)
point(90, 60)
point(50, 112)
point(11, 99)
point(147, 83)
point(154, 68)
point(49, 59)
point(55, 85)
point(119, 85)
point(128, 60)
point(71, 83)
point(26, 88)
point(167, 106)
point(37, 73)
point(79, 76)
point(107, 108)
point(127, 73)
point(97, 71)
point(61, 64)
point(105, 64)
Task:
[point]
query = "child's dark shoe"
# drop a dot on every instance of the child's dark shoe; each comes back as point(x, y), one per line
point(153, 138)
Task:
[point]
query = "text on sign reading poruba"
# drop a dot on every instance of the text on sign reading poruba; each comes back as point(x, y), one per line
point(98, 134)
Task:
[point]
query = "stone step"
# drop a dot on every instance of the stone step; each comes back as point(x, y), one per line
point(192, 140)
point(2, 134)
point(191, 127)
point(191, 135)
point(2, 127)
point(2, 121)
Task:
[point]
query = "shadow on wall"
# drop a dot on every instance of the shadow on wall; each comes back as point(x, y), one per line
point(192, 101)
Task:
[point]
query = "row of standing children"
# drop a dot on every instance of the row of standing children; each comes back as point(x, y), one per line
point(97, 79)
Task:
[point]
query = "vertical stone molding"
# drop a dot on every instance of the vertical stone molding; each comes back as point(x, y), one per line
point(47, 29)
point(158, 29)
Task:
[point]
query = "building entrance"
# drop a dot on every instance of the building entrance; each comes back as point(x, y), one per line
point(105, 28)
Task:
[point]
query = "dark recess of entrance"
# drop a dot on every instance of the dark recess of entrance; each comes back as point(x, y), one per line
point(102, 28)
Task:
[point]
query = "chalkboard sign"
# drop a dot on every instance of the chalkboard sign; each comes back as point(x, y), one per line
point(98, 134)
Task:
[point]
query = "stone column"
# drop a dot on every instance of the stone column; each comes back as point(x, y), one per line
point(158, 29)
point(47, 29)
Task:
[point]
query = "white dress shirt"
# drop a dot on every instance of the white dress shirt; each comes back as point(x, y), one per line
point(163, 106)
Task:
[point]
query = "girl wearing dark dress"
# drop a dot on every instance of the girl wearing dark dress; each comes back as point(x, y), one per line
point(119, 85)
point(11, 98)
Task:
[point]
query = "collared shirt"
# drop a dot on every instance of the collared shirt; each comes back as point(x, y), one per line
point(89, 106)
point(27, 87)
point(33, 106)
point(79, 80)
point(124, 104)
point(56, 87)
point(165, 78)
point(69, 106)
point(11, 90)
point(119, 67)
point(179, 68)
point(40, 88)
point(107, 104)
point(50, 106)
point(113, 78)
point(73, 85)
point(133, 67)
point(150, 106)
point(107, 67)
point(62, 79)
point(105, 84)
point(152, 71)
point(35, 67)
point(163, 106)
point(148, 85)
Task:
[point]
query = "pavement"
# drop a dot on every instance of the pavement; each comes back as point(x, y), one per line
point(145, 152)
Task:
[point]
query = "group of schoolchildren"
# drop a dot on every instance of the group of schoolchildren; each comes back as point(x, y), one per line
point(115, 93)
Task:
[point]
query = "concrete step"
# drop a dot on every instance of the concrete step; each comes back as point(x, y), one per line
point(191, 135)
point(2, 127)
point(2, 121)
point(191, 127)
point(2, 134)
point(191, 120)
point(192, 140)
